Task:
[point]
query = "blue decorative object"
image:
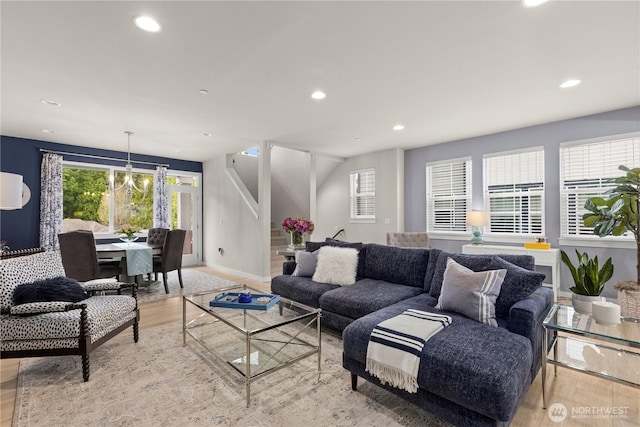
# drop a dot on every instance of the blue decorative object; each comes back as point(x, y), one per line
point(237, 300)
point(477, 237)
point(244, 298)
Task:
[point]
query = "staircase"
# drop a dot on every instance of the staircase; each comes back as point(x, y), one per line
point(279, 240)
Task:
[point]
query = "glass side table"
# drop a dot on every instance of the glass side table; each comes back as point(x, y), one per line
point(580, 343)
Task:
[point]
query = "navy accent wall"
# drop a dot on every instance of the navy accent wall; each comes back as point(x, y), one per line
point(21, 227)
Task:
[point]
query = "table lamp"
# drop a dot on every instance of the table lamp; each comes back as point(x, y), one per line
point(477, 219)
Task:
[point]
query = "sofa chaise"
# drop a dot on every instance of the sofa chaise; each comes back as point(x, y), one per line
point(471, 373)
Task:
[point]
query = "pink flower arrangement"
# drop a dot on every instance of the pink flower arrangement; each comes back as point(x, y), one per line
point(299, 225)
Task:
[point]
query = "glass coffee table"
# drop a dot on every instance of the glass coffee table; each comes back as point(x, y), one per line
point(580, 343)
point(254, 343)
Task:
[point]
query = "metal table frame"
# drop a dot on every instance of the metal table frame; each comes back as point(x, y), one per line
point(587, 335)
point(311, 319)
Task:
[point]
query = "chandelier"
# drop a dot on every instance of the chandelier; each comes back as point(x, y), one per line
point(129, 184)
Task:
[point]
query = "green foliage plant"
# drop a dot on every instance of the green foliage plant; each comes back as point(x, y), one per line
point(587, 275)
point(619, 212)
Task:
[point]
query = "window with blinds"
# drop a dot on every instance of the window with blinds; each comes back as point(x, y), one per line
point(363, 194)
point(514, 192)
point(448, 195)
point(588, 169)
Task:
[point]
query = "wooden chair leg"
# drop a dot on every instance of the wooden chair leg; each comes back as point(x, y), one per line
point(180, 277)
point(85, 366)
point(164, 279)
point(135, 331)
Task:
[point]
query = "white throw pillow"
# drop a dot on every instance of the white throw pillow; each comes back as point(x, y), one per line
point(471, 293)
point(337, 266)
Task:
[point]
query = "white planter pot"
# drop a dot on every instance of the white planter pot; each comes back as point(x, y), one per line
point(582, 303)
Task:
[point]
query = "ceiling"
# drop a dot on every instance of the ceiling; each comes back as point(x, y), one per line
point(445, 70)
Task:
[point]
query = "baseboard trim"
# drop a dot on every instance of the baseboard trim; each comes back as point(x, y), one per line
point(240, 273)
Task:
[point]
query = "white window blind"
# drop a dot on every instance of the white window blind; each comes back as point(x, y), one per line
point(588, 169)
point(514, 189)
point(363, 194)
point(448, 195)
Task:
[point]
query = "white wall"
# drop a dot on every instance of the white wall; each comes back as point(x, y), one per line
point(228, 223)
point(333, 198)
point(247, 169)
point(289, 184)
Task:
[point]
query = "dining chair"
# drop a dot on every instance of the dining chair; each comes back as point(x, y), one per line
point(156, 237)
point(171, 258)
point(79, 257)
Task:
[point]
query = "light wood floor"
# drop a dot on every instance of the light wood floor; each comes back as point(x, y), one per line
point(576, 391)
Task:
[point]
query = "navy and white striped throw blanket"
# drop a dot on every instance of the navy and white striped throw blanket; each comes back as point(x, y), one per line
point(395, 345)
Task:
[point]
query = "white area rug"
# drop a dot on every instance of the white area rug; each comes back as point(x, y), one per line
point(193, 280)
point(158, 382)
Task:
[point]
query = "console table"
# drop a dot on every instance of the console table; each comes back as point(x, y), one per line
point(543, 257)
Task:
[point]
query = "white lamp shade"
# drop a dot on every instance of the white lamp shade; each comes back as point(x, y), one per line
point(10, 191)
point(477, 218)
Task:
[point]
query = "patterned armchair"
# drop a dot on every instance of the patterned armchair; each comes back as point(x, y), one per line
point(60, 328)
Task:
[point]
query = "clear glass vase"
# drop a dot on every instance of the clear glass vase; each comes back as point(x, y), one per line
point(128, 239)
point(297, 242)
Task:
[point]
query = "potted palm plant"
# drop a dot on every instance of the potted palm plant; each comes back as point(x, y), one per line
point(615, 215)
point(589, 279)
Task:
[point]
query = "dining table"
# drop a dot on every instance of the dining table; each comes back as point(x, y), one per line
point(136, 259)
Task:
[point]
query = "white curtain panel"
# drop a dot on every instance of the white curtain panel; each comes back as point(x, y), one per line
point(160, 198)
point(50, 200)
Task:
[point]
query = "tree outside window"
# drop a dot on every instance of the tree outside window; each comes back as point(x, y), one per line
point(87, 196)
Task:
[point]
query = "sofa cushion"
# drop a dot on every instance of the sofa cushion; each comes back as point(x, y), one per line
point(300, 289)
point(473, 262)
point(26, 269)
point(471, 293)
point(313, 246)
point(364, 297)
point(518, 284)
point(305, 263)
point(336, 265)
point(479, 367)
point(405, 266)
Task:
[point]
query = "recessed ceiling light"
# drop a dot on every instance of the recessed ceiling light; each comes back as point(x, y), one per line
point(570, 83)
point(533, 3)
point(203, 91)
point(47, 131)
point(318, 95)
point(398, 127)
point(51, 103)
point(358, 139)
point(147, 23)
point(205, 134)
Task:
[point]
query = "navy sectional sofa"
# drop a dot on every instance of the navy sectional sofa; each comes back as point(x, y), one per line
point(471, 374)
